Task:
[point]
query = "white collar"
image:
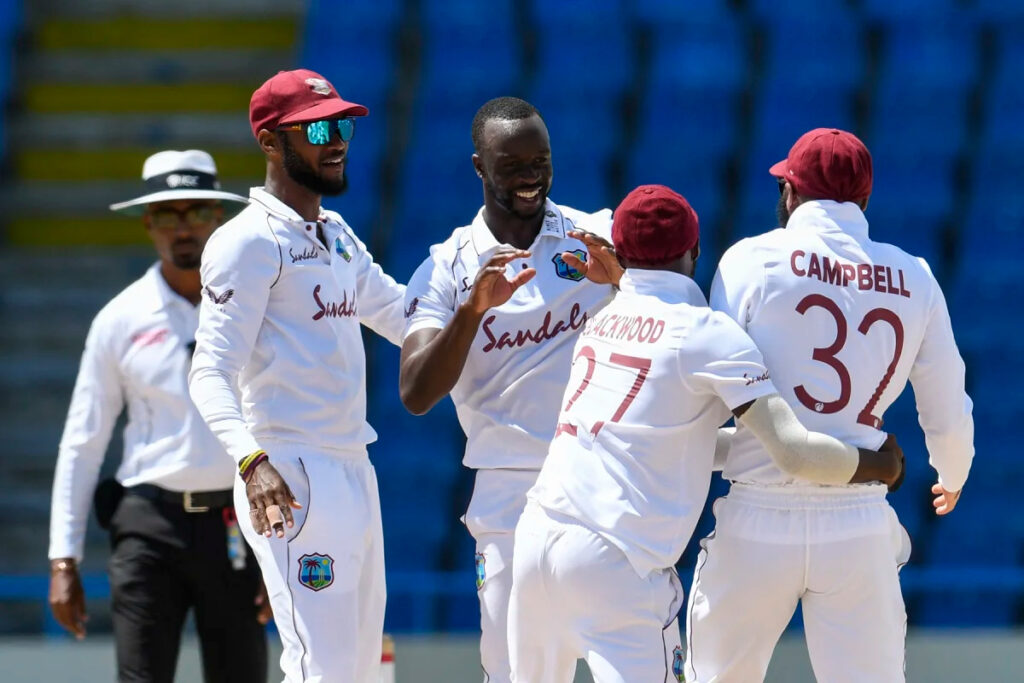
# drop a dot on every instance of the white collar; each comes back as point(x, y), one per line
point(163, 295)
point(279, 209)
point(554, 225)
point(664, 284)
point(825, 215)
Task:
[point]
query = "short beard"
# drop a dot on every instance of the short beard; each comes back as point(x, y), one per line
point(506, 201)
point(301, 172)
point(187, 262)
point(781, 212)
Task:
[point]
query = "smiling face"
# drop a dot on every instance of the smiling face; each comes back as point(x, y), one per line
point(318, 168)
point(515, 164)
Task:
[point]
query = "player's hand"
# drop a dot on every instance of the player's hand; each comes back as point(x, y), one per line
point(602, 265)
point(67, 598)
point(945, 500)
point(898, 469)
point(263, 612)
point(492, 287)
point(270, 501)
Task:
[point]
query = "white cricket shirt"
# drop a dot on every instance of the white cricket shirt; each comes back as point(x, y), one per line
point(507, 397)
point(280, 321)
point(137, 355)
point(653, 377)
point(843, 323)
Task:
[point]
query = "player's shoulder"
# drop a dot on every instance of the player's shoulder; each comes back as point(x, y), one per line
point(124, 308)
point(598, 222)
point(758, 248)
point(249, 233)
point(443, 254)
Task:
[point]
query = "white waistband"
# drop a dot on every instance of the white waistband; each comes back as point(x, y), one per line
point(802, 496)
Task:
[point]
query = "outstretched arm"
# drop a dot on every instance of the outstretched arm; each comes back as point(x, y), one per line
point(815, 456)
point(433, 358)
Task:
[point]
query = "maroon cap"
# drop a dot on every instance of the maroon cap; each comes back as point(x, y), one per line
point(827, 163)
point(654, 225)
point(296, 97)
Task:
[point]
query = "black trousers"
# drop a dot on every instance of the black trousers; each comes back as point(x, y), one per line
point(166, 561)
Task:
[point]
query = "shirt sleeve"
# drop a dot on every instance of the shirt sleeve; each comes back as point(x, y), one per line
point(430, 300)
point(733, 290)
point(381, 299)
point(720, 358)
point(97, 400)
point(238, 272)
point(944, 409)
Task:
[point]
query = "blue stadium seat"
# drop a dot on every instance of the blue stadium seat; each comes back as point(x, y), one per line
point(567, 15)
point(810, 51)
point(660, 12)
point(939, 50)
point(708, 55)
point(365, 68)
point(461, 59)
point(908, 116)
point(485, 15)
point(908, 11)
point(786, 110)
point(590, 130)
point(683, 127)
point(1001, 11)
point(585, 59)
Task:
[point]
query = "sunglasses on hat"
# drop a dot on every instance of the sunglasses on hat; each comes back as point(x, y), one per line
point(320, 132)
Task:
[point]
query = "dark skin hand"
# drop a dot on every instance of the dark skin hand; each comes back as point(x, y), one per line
point(67, 598)
point(263, 612)
point(602, 265)
point(886, 465)
point(270, 501)
point(445, 351)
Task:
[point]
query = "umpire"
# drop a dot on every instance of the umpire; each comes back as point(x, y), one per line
point(175, 541)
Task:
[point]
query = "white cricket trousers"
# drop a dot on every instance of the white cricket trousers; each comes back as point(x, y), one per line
point(326, 577)
point(576, 596)
point(836, 550)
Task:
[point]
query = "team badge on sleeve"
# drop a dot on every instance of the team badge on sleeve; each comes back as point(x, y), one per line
point(481, 573)
point(340, 249)
point(316, 571)
point(677, 664)
point(564, 270)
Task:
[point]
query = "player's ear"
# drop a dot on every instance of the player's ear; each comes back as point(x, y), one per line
point(269, 143)
point(695, 252)
point(478, 164)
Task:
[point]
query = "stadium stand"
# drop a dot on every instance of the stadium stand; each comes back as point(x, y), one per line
point(701, 95)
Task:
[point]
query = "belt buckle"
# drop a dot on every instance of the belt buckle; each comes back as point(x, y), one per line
point(189, 507)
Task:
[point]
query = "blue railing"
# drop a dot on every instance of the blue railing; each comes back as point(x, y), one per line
point(419, 591)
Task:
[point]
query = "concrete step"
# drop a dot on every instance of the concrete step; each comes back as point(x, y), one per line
point(122, 163)
point(141, 98)
point(150, 66)
point(88, 199)
point(163, 8)
point(154, 131)
point(198, 31)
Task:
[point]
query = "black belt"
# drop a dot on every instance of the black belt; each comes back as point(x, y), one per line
point(190, 501)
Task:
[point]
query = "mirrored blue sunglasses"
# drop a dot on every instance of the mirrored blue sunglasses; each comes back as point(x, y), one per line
point(320, 132)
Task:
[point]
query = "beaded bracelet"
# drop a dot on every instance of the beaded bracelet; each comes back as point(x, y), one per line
point(248, 464)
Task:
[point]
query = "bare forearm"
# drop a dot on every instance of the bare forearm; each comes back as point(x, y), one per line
point(431, 367)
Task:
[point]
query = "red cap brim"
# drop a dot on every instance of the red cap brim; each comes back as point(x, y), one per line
point(327, 109)
point(781, 169)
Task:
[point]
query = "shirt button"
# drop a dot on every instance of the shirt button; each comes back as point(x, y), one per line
point(309, 227)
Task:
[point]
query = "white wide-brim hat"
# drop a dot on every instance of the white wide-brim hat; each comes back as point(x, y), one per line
point(173, 175)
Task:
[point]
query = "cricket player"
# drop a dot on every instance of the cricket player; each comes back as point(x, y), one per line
point(279, 375)
point(654, 375)
point(843, 323)
point(493, 315)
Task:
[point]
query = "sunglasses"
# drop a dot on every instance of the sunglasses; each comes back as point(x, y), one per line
point(782, 186)
point(194, 216)
point(321, 132)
